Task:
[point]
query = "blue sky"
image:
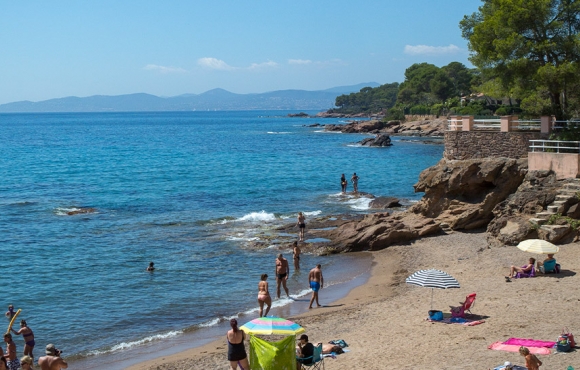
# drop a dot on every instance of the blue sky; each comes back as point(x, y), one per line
point(51, 49)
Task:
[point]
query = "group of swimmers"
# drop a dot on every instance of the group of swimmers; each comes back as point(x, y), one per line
point(344, 183)
point(10, 361)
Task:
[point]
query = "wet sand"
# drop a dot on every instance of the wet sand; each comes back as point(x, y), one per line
point(383, 321)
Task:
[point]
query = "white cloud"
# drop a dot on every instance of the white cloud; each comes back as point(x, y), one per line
point(268, 64)
point(164, 70)
point(299, 61)
point(431, 50)
point(213, 63)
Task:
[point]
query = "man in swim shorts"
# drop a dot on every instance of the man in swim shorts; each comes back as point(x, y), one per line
point(316, 282)
point(282, 272)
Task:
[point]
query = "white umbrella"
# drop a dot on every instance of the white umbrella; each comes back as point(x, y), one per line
point(538, 246)
point(432, 279)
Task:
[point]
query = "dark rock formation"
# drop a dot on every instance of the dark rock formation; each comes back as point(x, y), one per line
point(384, 203)
point(380, 140)
point(81, 211)
point(301, 114)
point(413, 128)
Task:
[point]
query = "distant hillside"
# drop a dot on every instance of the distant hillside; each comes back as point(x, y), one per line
point(216, 99)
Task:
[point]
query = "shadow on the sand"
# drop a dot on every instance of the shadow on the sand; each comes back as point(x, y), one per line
point(561, 275)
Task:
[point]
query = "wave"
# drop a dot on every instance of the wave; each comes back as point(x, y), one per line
point(279, 132)
point(312, 213)
point(128, 345)
point(359, 204)
point(261, 216)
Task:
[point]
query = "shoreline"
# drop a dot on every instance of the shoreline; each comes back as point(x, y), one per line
point(383, 320)
point(380, 271)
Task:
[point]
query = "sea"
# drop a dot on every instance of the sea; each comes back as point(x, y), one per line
point(87, 200)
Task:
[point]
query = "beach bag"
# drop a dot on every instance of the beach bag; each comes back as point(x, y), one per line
point(570, 336)
point(435, 315)
point(563, 344)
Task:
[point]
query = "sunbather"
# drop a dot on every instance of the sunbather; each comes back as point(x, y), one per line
point(532, 362)
point(547, 261)
point(526, 269)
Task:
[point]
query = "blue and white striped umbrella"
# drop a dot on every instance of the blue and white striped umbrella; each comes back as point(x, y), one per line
point(432, 279)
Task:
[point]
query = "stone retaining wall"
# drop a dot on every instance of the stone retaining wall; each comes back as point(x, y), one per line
point(485, 144)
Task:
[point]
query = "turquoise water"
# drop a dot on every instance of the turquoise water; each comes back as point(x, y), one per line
point(187, 190)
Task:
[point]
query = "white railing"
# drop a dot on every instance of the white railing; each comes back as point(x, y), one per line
point(529, 125)
point(490, 124)
point(555, 146)
point(560, 125)
point(454, 124)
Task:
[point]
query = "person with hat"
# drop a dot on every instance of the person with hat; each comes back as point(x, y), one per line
point(305, 352)
point(52, 360)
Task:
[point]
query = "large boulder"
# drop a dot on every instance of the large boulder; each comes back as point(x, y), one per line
point(380, 140)
point(463, 194)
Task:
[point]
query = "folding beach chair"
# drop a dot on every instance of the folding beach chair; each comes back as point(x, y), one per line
point(465, 306)
point(317, 360)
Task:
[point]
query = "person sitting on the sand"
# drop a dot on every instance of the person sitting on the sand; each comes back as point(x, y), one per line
point(526, 269)
point(532, 362)
point(304, 352)
point(550, 262)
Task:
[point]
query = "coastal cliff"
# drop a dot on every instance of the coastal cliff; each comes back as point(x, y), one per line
point(435, 127)
point(498, 195)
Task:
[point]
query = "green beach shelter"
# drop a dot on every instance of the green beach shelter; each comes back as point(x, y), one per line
point(266, 355)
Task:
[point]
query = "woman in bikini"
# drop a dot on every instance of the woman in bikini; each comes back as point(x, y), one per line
point(264, 295)
point(343, 184)
point(236, 349)
point(28, 336)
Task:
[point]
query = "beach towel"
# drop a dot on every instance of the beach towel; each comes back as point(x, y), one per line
point(278, 355)
point(339, 342)
point(499, 346)
point(458, 320)
point(530, 343)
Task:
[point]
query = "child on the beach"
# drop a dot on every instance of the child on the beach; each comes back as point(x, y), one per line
point(532, 362)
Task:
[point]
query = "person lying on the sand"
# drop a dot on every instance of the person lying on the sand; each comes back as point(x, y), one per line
point(329, 348)
point(526, 269)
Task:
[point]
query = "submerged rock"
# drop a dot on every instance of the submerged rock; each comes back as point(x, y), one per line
point(380, 140)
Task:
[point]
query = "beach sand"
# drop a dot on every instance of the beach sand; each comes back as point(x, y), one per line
point(383, 321)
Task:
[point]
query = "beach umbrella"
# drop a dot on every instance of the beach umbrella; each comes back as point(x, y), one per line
point(432, 279)
point(538, 246)
point(272, 325)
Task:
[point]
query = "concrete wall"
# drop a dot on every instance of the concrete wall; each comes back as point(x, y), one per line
point(565, 165)
point(474, 144)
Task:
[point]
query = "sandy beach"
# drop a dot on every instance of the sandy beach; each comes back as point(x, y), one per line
point(383, 321)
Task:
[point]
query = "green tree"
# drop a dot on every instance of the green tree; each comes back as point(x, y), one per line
point(531, 47)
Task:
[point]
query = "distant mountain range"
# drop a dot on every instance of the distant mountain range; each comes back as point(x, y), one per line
point(216, 99)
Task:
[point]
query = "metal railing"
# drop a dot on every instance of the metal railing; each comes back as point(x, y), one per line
point(526, 125)
point(555, 146)
point(560, 125)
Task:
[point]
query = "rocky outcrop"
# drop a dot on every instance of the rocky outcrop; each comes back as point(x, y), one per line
point(463, 194)
point(380, 140)
point(413, 128)
point(384, 203)
point(301, 114)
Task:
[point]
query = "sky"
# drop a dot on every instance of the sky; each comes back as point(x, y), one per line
point(53, 49)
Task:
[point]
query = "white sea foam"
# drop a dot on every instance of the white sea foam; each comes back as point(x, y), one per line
point(328, 132)
point(65, 211)
point(359, 203)
point(127, 345)
point(313, 213)
point(258, 216)
point(279, 133)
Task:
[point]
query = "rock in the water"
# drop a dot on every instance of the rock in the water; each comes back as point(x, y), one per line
point(379, 140)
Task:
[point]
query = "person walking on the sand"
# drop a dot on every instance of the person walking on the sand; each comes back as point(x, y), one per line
point(316, 282)
point(354, 180)
point(302, 225)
